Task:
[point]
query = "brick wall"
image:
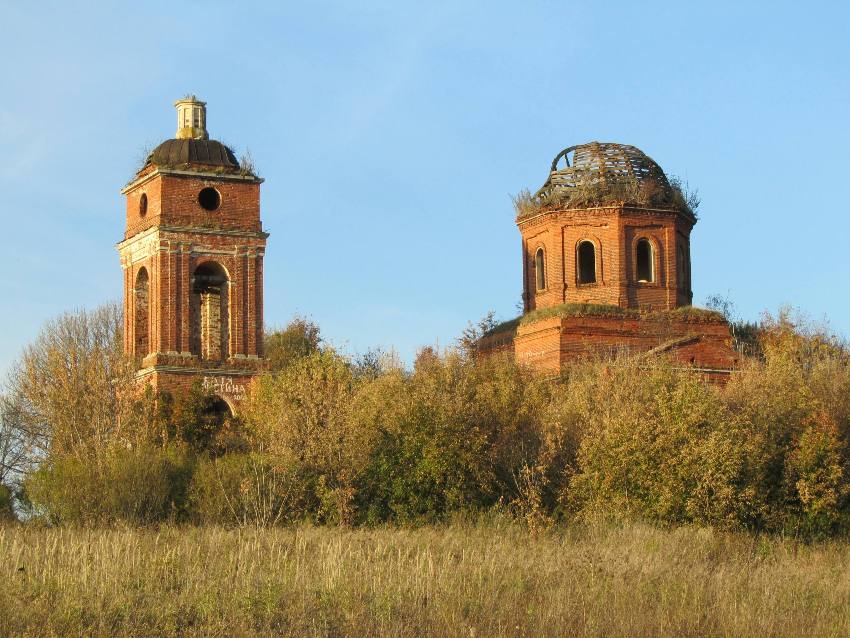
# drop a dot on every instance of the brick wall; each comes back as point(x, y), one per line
point(173, 200)
point(549, 343)
point(232, 386)
point(614, 232)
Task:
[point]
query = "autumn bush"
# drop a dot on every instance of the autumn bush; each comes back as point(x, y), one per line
point(240, 489)
point(332, 441)
point(661, 447)
point(766, 452)
point(6, 509)
point(135, 486)
point(449, 437)
point(399, 446)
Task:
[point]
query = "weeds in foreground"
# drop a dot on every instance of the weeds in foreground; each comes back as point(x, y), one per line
point(489, 579)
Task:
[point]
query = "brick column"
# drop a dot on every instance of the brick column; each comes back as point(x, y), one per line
point(237, 304)
point(164, 310)
point(128, 310)
point(670, 275)
point(525, 294)
point(211, 325)
point(623, 259)
point(171, 328)
point(185, 275)
point(154, 302)
point(259, 295)
point(557, 248)
point(251, 318)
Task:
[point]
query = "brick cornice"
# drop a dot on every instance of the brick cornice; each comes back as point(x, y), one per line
point(189, 230)
point(616, 209)
point(195, 371)
point(205, 175)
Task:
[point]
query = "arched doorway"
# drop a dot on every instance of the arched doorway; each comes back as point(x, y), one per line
point(208, 423)
point(217, 411)
point(210, 336)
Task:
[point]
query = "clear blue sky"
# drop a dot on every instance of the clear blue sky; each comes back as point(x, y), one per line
point(391, 135)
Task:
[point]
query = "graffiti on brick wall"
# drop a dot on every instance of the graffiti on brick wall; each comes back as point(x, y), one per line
point(225, 386)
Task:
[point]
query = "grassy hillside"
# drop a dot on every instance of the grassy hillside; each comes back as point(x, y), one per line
point(459, 580)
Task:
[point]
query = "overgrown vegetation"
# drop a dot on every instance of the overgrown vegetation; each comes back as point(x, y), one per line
point(745, 334)
point(247, 164)
point(487, 579)
point(679, 196)
point(684, 314)
point(299, 339)
point(326, 440)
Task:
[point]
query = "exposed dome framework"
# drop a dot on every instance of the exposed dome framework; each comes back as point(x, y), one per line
point(604, 165)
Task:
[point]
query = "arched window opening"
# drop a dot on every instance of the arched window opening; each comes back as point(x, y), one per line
point(141, 307)
point(212, 417)
point(645, 261)
point(540, 269)
point(210, 318)
point(586, 263)
point(143, 205)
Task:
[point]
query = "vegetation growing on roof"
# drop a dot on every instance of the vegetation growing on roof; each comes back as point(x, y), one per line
point(688, 314)
point(606, 174)
point(247, 164)
point(694, 314)
point(587, 195)
point(503, 327)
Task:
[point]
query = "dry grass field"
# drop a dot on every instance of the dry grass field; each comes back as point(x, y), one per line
point(458, 580)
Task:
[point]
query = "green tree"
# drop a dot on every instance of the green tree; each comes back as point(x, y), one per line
point(451, 437)
point(300, 416)
point(300, 338)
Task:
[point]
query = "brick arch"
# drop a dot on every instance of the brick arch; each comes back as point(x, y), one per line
point(539, 248)
point(222, 261)
point(209, 310)
point(656, 245)
point(141, 314)
point(224, 401)
point(596, 242)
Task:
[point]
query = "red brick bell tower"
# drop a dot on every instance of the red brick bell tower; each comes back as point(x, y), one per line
point(192, 257)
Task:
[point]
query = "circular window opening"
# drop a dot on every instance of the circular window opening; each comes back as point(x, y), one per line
point(209, 199)
point(143, 205)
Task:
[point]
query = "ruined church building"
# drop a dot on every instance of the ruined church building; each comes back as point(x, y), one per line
point(605, 262)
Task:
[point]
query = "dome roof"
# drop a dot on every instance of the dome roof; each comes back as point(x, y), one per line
point(179, 152)
point(601, 165)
